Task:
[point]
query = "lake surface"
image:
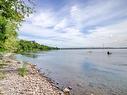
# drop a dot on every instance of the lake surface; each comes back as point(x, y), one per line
point(88, 72)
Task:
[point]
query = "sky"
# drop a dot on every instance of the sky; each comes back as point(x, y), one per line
point(77, 23)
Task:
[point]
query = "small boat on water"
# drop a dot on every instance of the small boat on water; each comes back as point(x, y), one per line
point(109, 53)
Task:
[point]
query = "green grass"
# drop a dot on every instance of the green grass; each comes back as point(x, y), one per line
point(2, 75)
point(2, 64)
point(23, 70)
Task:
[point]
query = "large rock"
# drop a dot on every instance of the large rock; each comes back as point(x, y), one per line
point(66, 91)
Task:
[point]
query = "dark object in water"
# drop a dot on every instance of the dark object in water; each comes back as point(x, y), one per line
point(109, 53)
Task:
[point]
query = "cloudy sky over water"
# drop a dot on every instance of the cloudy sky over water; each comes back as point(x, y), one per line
point(77, 23)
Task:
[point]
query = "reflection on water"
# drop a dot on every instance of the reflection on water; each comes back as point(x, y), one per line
point(32, 55)
point(86, 71)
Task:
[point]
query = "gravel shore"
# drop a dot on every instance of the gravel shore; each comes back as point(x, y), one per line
point(33, 83)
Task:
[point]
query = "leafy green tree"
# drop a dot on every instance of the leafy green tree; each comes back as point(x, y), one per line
point(12, 13)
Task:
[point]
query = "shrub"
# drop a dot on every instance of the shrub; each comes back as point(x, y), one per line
point(2, 75)
point(23, 70)
point(2, 64)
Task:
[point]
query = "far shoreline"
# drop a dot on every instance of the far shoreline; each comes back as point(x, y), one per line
point(92, 48)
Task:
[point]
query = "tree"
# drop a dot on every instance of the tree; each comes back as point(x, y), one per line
point(15, 10)
point(12, 13)
point(32, 46)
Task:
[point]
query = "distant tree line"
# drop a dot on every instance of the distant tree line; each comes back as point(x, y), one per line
point(32, 46)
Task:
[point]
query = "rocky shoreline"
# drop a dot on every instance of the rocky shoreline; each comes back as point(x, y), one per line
point(34, 83)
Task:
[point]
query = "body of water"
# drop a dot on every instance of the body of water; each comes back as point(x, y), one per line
point(88, 72)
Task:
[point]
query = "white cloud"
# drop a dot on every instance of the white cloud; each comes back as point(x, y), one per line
point(69, 28)
point(44, 18)
point(112, 35)
point(97, 12)
point(61, 25)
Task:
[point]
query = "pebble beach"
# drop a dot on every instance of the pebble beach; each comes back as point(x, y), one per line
point(34, 83)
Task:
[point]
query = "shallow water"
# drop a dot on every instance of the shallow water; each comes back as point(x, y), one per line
point(86, 71)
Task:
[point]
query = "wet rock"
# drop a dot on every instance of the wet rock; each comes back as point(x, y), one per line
point(34, 65)
point(66, 91)
point(79, 85)
point(39, 70)
point(19, 62)
point(57, 83)
point(69, 87)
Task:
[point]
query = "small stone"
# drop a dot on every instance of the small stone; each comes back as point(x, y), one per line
point(69, 87)
point(66, 90)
